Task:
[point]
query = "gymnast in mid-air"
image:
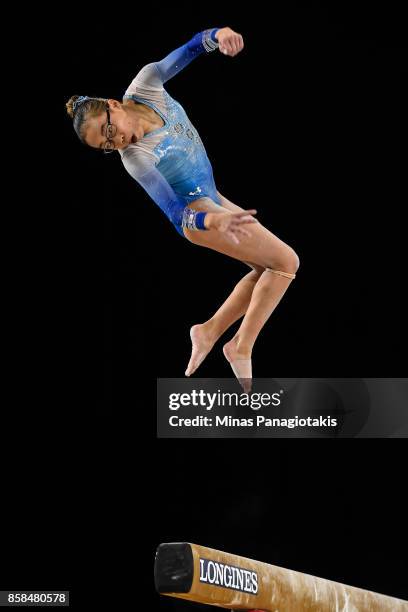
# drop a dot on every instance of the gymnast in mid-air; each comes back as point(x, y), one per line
point(163, 152)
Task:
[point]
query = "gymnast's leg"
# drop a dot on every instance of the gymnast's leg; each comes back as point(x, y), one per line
point(266, 295)
point(205, 335)
point(280, 263)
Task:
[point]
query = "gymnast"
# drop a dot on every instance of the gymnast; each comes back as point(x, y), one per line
point(161, 149)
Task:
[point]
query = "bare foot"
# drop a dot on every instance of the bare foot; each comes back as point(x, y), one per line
point(240, 363)
point(202, 343)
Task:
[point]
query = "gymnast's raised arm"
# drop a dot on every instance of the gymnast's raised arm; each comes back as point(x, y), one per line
point(228, 41)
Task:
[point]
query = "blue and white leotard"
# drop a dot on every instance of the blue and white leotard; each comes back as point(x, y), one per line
point(171, 163)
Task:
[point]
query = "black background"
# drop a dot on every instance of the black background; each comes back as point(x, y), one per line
point(307, 124)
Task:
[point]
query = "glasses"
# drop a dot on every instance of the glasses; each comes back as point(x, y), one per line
point(110, 133)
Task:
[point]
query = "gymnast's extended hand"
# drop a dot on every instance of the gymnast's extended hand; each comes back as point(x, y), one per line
point(230, 223)
point(230, 42)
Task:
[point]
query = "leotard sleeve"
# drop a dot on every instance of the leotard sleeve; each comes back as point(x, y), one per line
point(155, 74)
point(161, 192)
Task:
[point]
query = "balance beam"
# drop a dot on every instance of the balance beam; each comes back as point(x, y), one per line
point(216, 578)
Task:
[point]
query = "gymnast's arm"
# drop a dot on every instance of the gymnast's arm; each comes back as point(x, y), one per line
point(174, 62)
point(153, 75)
point(156, 73)
point(161, 192)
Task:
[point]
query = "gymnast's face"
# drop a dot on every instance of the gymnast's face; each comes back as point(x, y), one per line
point(121, 134)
